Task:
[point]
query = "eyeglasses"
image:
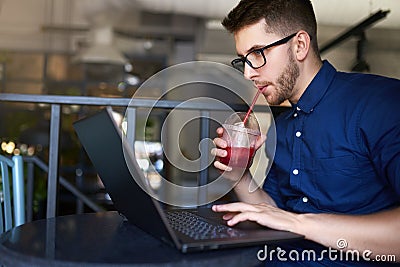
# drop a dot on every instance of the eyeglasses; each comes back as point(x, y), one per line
point(256, 58)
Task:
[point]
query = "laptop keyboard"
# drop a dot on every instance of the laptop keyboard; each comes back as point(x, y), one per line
point(198, 228)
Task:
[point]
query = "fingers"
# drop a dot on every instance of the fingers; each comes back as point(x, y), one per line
point(220, 131)
point(260, 141)
point(239, 212)
point(221, 166)
point(228, 216)
point(244, 216)
point(219, 142)
point(234, 207)
point(220, 153)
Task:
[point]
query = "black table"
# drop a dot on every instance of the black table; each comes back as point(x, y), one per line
point(103, 239)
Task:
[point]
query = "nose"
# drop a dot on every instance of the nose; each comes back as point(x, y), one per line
point(249, 73)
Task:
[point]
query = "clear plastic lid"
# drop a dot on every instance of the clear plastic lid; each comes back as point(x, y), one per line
point(235, 122)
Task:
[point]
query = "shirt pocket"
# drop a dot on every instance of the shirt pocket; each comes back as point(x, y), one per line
point(339, 183)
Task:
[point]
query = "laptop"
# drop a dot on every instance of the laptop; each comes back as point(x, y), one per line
point(188, 229)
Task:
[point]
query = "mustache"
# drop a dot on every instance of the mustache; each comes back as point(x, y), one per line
point(262, 83)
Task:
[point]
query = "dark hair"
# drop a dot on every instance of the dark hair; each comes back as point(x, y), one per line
point(282, 17)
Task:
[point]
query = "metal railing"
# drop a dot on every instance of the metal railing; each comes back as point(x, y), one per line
point(31, 162)
point(56, 101)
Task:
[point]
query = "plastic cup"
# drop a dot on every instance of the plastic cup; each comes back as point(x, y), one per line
point(241, 140)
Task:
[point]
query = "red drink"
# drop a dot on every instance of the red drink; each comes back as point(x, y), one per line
point(238, 157)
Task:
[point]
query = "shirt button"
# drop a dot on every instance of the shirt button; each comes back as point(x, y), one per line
point(295, 171)
point(295, 115)
point(305, 199)
point(298, 134)
point(298, 108)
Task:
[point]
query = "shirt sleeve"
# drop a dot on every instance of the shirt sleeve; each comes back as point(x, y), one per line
point(271, 186)
point(380, 132)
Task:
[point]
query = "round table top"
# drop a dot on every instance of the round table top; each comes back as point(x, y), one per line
point(105, 239)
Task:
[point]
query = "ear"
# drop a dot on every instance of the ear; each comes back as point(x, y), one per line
point(303, 43)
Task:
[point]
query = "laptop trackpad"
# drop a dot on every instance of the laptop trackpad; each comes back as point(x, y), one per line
point(249, 225)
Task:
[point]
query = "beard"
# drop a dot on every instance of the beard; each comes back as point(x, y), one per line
point(286, 81)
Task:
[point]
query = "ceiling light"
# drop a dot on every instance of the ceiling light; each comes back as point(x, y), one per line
point(102, 49)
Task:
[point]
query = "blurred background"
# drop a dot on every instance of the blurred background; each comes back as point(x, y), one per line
point(108, 48)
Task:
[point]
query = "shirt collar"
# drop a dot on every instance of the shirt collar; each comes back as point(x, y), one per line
point(316, 89)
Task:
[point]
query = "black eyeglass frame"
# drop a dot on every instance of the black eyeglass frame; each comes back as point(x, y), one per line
point(244, 59)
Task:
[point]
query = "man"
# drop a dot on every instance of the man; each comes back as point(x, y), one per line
point(336, 172)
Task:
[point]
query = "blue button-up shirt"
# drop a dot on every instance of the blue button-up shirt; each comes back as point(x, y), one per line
point(338, 148)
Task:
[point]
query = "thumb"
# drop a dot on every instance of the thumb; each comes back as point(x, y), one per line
point(260, 141)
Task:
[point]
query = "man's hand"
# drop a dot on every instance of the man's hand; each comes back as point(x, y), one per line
point(376, 232)
point(241, 178)
point(263, 214)
point(220, 151)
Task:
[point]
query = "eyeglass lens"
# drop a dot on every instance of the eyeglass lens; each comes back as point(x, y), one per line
point(256, 59)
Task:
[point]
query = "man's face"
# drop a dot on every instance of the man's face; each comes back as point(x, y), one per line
point(277, 78)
